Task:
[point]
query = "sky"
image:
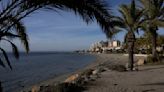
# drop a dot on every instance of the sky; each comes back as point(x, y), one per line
point(63, 31)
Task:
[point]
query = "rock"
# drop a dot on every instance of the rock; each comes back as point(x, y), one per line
point(141, 62)
point(66, 87)
point(35, 89)
point(135, 69)
point(94, 77)
point(72, 78)
point(99, 70)
point(95, 72)
point(86, 78)
point(127, 66)
point(62, 87)
point(87, 72)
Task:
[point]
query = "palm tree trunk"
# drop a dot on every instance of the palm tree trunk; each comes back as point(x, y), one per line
point(154, 45)
point(131, 57)
point(131, 40)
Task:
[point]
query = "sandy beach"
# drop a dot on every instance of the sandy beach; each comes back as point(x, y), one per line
point(149, 78)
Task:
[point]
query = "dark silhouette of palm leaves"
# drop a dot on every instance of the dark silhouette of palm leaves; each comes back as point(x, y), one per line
point(8, 35)
point(89, 10)
point(13, 11)
point(6, 58)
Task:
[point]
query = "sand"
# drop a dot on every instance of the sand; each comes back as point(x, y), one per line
point(149, 78)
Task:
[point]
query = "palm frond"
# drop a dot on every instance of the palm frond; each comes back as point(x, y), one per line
point(20, 28)
point(159, 23)
point(89, 10)
point(133, 9)
point(14, 48)
point(1, 63)
point(126, 13)
point(21, 31)
point(162, 13)
point(6, 57)
point(10, 35)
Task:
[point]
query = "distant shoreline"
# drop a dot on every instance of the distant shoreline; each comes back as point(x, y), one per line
point(100, 59)
point(38, 68)
point(61, 78)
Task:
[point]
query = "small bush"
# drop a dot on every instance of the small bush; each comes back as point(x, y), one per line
point(151, 59)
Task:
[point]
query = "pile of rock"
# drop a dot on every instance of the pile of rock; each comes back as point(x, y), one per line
point(75, 83)
point(62, 87)
point(84, 77)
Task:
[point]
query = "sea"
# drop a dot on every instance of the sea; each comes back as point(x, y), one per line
point(36, 67)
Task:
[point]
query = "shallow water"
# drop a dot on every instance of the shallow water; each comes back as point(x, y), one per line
point(36, 67)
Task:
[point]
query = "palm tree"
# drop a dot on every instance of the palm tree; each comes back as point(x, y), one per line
point(154, 18)
point(143, 43)
point(130, 19)
point(17, 30)
point(89, 10)
point(13, 11)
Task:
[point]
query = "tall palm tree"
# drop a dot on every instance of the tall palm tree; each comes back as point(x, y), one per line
point(154, 18)
point(130, 19)
point(13, 11)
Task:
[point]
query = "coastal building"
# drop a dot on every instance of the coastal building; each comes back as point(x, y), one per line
point(97, 47)
point(103, 46)
point(114, 43)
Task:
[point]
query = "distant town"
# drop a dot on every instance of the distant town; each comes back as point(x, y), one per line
point(116, 46)
point(104, 47)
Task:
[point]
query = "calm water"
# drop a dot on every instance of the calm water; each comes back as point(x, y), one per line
point(36, 67)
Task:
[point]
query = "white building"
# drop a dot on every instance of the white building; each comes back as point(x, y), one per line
point(114, 44)
point(103, 46)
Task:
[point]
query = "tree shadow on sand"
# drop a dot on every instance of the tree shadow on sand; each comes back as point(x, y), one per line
point(154, 84)
point(154, 68)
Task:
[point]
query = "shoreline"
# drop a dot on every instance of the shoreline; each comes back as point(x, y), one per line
point(62, 77)
point(101, 59)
